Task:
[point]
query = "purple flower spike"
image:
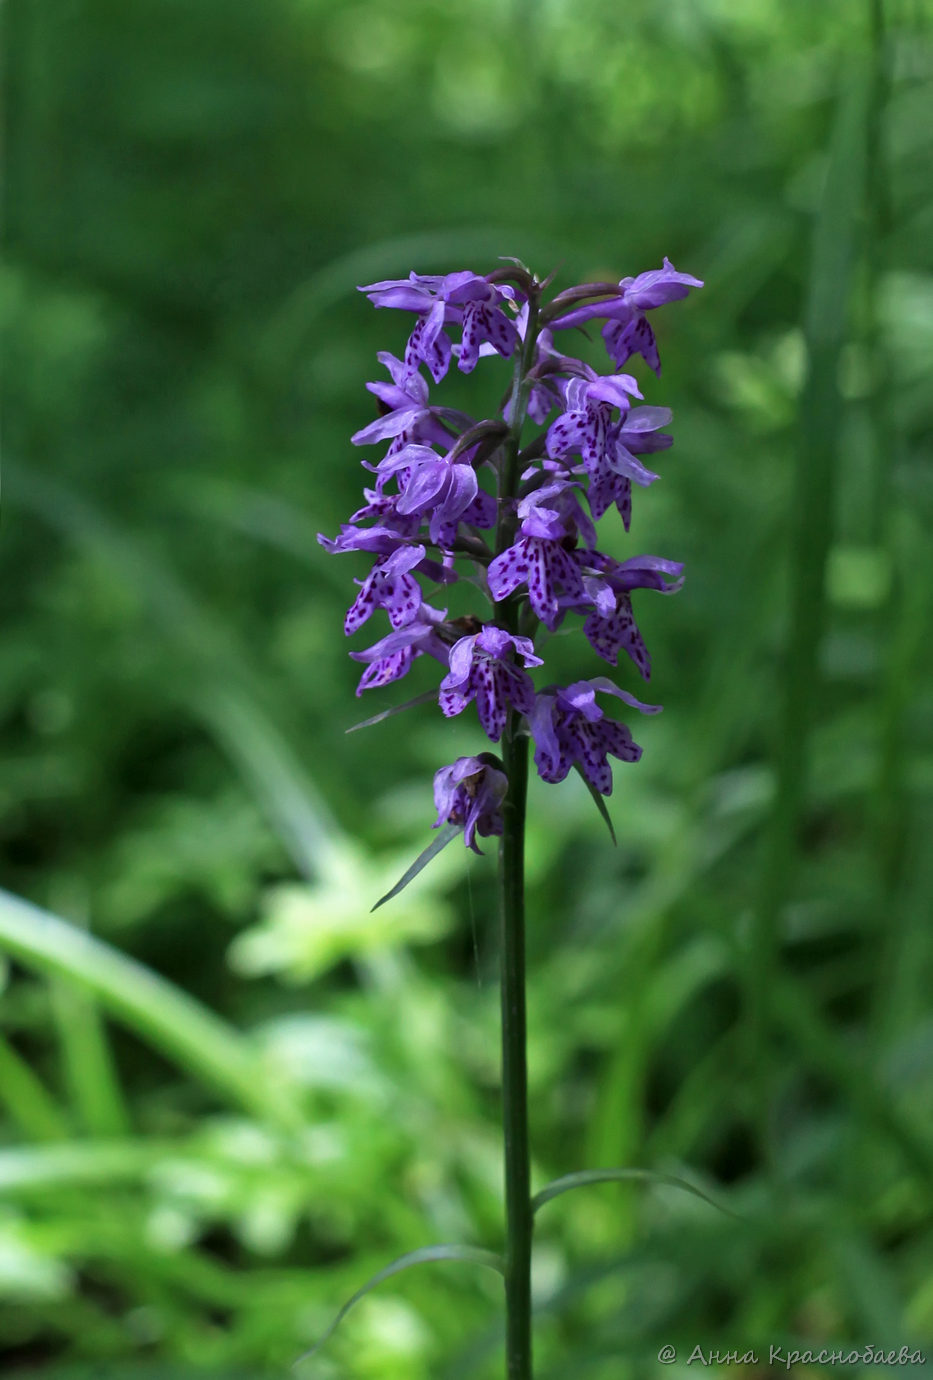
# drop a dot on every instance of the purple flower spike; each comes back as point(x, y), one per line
point(479, 670)
point(471, 792)
point(569, 727)
point(530, 532)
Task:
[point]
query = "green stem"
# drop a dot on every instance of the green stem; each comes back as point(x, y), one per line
point(518, 1209)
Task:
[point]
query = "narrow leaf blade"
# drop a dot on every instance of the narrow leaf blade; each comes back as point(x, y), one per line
point(599, 803)
point(583, 1178)
point(166, 1017)
point(446, 835)
point(396, 709)
point(425, 1255)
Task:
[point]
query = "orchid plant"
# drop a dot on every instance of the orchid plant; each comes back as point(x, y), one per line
point(454, 497)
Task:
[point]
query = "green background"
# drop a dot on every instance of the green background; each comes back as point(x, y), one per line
point(739, 993)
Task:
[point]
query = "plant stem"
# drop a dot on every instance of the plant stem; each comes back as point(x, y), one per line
point(518, 1209)
point(514, 1056)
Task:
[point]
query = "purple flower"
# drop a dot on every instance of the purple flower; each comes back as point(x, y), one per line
point(587, 427)
point(471, 792)
point(551, 517)
point(463, 299)
point(390, 586)
point(433, 485)
point(407, 416)
point(626, 331)
point(381, 539)
point(480, 513)
point(480, 670)
point(391, 657)
point(611, 626)
point(569, 727)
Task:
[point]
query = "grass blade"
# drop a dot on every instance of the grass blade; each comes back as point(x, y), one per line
point(584, 1178)
point(98, 1164)
point(88, 1062)
point(167, 1018)
point(27, 1102)
point(829, 294)
point(425, 1255)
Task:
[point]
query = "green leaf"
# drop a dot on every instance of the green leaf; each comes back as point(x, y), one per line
point(584, 1177)
point(162, 1014)
point(598, 801)
point(38, 1170)
point(447, 834)
point(425, 1255)
point(26, 1099)
point(396, 709)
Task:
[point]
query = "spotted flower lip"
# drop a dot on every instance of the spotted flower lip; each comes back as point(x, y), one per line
point(609, 625)
point(587, 428)
point(470, 792)
point(389, 585)
point(545, 567)
point(391, 657)
point(570, 728)
point(552, 518)
point(480, 671)
point(464, 299)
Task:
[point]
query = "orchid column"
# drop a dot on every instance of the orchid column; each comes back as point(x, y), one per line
point(524, 536)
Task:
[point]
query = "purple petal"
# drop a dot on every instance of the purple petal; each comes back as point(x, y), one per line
point(384, 427)
point(548, 757)
point(615, 389)
point(508, 570)
point(632, 338)
point(565, 434)
point(452, 702)
point(617, 739)
point(388, 669)
point(585, 744)
point(461, 661)
point(625, 463)
point(604, 684)
point(658, 286)
point(647, 418)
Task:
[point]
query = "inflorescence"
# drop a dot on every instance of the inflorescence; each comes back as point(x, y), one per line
point(529, 537)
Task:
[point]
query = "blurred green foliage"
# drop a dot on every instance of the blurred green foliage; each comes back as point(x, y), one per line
point(739, 993)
